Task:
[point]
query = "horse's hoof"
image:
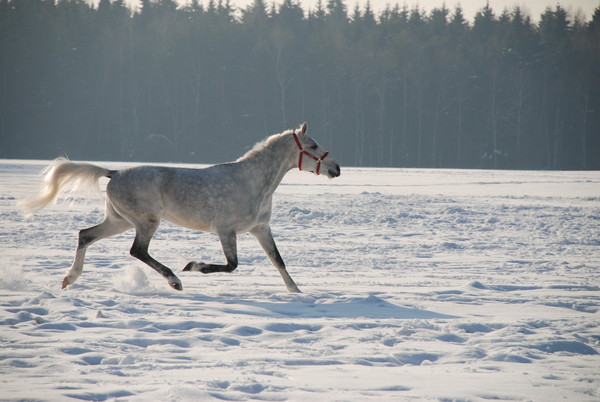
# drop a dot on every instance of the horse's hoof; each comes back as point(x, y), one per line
point(194, 266)
point(66, 282)
point(175, 284)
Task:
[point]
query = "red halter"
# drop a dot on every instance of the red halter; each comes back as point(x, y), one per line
point(304, 152)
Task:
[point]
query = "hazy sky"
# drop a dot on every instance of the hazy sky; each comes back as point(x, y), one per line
point(533, 7)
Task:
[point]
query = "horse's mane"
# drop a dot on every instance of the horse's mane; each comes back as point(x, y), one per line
point(260, 146)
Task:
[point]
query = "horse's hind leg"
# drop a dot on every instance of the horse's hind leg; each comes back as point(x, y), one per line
point(265, 238)
point(139, 250)
point(112, 225)
point(229, 244)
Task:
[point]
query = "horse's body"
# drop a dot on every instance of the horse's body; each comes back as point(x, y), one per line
point(226, 199)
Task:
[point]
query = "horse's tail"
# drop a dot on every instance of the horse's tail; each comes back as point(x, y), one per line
point(60, 174)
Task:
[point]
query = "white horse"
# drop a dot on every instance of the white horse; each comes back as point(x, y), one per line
point(226, 199)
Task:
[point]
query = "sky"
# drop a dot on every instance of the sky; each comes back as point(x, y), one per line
point(534, 8)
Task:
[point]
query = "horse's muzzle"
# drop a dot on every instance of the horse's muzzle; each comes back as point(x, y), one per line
point(335, 172)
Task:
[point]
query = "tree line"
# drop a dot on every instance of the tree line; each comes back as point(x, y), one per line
point(201, 83)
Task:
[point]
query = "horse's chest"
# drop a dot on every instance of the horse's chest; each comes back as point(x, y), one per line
point(264, 211)
point(259, 213)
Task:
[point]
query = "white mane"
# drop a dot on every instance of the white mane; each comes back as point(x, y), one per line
point(260, 146)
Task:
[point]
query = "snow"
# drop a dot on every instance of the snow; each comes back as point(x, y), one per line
point(418, 285)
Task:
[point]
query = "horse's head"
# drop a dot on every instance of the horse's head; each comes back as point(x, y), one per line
point(312, 157)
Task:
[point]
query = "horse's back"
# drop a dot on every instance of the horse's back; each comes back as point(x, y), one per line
point(192, 198)
point(210, 199)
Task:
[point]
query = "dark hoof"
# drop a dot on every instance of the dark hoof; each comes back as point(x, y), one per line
point(175, 283)
point(194, 266)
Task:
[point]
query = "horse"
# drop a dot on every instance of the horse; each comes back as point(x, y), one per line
point(227, 199)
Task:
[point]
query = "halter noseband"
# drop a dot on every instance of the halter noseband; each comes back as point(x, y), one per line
point(305, 152)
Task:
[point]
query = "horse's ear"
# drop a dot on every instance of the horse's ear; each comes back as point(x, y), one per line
point(304, 127)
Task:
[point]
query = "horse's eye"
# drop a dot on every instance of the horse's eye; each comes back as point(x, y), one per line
point(314, 146)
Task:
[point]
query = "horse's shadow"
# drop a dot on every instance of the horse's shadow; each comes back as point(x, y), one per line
point(369, 307)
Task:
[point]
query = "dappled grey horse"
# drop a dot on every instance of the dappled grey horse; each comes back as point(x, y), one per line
point(226, 199)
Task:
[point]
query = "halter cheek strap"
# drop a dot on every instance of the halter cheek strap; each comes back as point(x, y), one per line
point(305, 152)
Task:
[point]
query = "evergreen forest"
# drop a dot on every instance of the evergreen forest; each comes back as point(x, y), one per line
point(202, 82)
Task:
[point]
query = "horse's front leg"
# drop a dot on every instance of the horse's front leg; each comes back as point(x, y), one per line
point(265, 238)
point(229, 244)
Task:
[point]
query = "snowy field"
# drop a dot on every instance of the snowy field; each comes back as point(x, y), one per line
point(418, 285)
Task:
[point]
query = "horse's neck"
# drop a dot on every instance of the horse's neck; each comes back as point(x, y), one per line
point(269, 166)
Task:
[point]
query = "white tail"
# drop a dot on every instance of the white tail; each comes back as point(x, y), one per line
point(60, 174)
